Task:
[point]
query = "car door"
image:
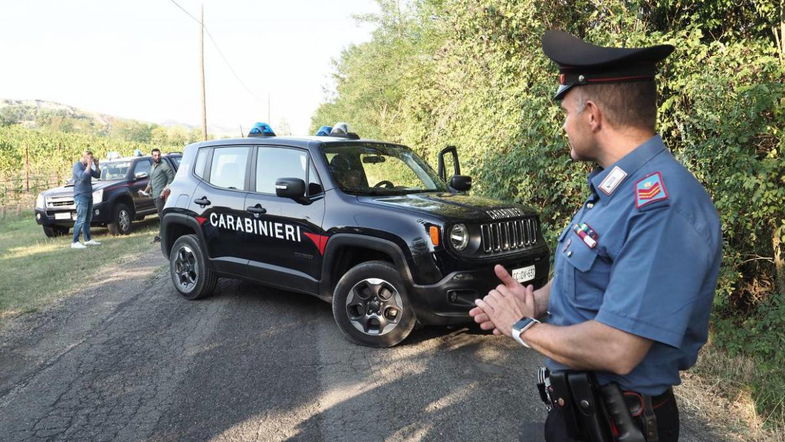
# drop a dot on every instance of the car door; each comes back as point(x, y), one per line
point(219, 201)
point(288, 241)
point(140, 176)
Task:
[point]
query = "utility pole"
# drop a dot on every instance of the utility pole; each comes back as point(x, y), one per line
point(269, 121)
point(201, 71)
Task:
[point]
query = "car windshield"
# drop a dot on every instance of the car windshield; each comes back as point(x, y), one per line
point(380, 169)
point(114, 170)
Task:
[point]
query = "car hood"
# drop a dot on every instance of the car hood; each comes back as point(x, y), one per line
point(451, 205)
point(68, 189)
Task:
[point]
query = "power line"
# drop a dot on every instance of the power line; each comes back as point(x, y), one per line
point(220, 52)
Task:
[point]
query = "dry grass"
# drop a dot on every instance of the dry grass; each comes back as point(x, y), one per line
point(718, 389)
point(35, 270)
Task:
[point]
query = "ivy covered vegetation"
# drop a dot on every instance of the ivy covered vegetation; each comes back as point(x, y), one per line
point(471, 73)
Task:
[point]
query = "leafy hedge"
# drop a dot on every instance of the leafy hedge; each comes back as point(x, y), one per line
point(471, 73)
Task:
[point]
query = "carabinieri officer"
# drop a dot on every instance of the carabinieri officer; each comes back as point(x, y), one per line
point(636, 268)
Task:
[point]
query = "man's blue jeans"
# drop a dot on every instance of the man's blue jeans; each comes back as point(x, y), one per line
point(84, 215)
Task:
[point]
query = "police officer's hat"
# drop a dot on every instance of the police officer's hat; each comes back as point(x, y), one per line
point(583, 63)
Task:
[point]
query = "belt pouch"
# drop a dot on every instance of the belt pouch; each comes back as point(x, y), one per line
point(588, 408)
point(562, 399)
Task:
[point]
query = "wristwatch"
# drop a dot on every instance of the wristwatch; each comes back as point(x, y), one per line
point(521, 326)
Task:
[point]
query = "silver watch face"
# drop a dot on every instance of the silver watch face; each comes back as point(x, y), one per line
point(523, 324)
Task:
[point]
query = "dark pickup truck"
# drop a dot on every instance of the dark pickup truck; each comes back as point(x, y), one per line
point(116, 198)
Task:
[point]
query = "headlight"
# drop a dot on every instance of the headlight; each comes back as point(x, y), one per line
point(98, 196)
point(40, 202)
point(459, 236)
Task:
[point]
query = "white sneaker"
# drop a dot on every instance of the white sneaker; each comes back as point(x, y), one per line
point(92, 242)
point(78, 245)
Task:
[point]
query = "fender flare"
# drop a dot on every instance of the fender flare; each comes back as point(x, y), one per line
point(125, 197)
point(340, 240)
point(183, 219)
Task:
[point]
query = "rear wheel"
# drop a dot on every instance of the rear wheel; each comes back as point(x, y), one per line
point(121, 220)
point(371, 307)
point(191, 275)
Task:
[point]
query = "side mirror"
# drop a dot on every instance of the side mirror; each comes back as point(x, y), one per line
point(456, 166)
point(293, 188)
point(140, 175)
point(461, 183)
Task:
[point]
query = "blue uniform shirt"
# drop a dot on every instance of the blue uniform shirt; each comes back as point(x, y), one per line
point(642, 255)
point(83, 178)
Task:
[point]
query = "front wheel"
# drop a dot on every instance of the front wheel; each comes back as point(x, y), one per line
point(371, 307)
point(121, 220)
point(54, 231)
point(191, 275)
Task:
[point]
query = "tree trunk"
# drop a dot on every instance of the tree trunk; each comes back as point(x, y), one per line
point(779, 257)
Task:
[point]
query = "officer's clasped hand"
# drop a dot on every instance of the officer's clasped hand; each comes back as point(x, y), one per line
point(504, 305)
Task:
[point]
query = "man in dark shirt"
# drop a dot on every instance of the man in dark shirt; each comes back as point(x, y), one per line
point(83, 172)
point(161, 175)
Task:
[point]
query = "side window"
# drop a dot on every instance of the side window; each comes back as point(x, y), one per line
point(142, 166)
point(201, 160)
point(273, 163)
point(228, 167)
point(314, 184)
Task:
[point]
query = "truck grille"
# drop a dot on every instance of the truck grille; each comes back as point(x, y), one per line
point(510, 235)
point(61, 203)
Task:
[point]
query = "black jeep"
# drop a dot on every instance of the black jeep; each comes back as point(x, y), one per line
point(365, 225)
point(116, 198)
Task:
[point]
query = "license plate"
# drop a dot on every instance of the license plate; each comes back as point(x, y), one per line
point(523, 274)
point(63, 215)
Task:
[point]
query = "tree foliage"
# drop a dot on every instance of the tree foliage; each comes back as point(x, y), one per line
point(471, 73)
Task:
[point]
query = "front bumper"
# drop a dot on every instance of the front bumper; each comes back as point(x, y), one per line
point(67, 215)
point(449, 300)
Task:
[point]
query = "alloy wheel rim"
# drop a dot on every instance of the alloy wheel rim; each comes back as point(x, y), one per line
point(186, 269)
point(374, 307)
point(124, 220)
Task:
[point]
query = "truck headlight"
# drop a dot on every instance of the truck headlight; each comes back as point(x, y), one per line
point(459, 236)
point(40, 202)
point(98, 196)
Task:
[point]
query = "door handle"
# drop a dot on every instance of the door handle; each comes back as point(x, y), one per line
point(203, 201)
point(257, 209)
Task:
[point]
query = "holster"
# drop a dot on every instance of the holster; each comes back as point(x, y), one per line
point(593, 413)
point(575, 393)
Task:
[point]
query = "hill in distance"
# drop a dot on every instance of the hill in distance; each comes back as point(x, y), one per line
point(41, 114)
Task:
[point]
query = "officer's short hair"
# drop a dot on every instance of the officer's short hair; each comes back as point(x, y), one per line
point(87, 152)
point(632, 104)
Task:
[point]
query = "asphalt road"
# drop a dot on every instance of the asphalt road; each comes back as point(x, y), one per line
point(128, 359)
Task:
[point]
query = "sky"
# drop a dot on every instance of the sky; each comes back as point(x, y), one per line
point(140, 58)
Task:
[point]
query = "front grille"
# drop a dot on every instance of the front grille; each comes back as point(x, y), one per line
point(60, 203)
point(504, 236)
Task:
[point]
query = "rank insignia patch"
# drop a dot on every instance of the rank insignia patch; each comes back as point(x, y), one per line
point(650, 189)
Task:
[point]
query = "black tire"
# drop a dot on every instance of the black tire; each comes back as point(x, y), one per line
point(121, 220)
point(189, 270)
point(54, 231)
point(371, 306)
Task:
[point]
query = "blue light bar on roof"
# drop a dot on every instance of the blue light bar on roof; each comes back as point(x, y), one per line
point(261, 130)
point(324, 131)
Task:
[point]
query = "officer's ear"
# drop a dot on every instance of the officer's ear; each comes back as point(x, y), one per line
point(593, 115)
